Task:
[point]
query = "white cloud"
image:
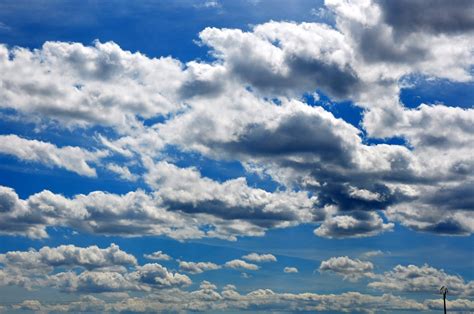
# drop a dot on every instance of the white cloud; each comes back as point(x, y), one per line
point(158, 255)
point(197, 267)
point(90, 269)
point(164, 293)
point(374, 253)
point(260, 258)
point(71, 158)
point(240, 264)
point(350, 269)
point(83, 85)
point(70, 256)
point(123, 172)
point(290, 270)
point(421, 279)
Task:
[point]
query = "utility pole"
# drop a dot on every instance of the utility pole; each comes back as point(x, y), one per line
point(444, 291)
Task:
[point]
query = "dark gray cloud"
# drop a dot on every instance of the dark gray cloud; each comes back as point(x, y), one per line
point(458, 197)
point(303, 74)
point(298, 133)
point(435, 16)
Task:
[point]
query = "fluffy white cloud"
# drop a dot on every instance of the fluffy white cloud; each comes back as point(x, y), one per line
point(290, 270)
point(183, 203)
point(158, 255)
point(71, 158)
point(69, 256)
point(240, 264)
point(351, 269)
point(122, 171)
point(90, 269)
point(260, 258)
point(84, 85)
point(421, 279)
point(197, 267)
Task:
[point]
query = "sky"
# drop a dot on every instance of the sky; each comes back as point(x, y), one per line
point(245, 156)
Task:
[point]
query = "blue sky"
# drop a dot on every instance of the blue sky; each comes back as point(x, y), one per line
point(275, 156)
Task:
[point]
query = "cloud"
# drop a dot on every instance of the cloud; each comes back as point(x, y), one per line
point(260, 258)
point(350, 269)
point(358, 224)
point(249, 109)
point(374, 253)
point(82, 85)
point(69, 256)
point(290, 270)
point(90, 269)
point(123, 172)
point(240, 264)
point(285, 68)
point(454, 305)
point(185, 190)
point(208, 4)
point(176, 209)
point(207, 298)
point(421, 279)
point(71, 158)
point(167, 291)
point(197, 268)
point(439, 17)
point(158, 276)
point(158, 255)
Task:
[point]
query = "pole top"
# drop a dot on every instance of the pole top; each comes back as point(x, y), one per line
point(443, 290)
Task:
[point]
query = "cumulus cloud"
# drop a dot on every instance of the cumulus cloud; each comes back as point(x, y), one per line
point(89, 269)
point(84, 85)
point(421, 279)
point(350, 269)
point(358, 224)
point(197, 267)
point(260, 258)
point(183, 203)
point(208, 298)
point(245, 105)
point(69, 256)
point(158, 255)
point(240, 264)
point(71, 158)
point(165, 289)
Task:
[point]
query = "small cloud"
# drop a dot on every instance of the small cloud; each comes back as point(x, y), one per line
point(158, 255)
point(123, 172)
point(349, 269)
point(321, 13)
point(290, 270)
point(240, 264)
point(209, 4)
point(197, 268)
point(260, 258)
point(371, 254)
